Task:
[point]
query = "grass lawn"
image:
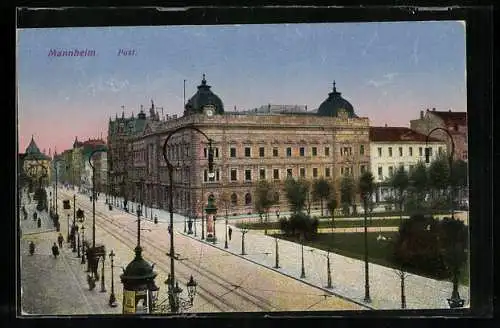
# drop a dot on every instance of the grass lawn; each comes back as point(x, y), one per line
point(352, 245)
point(327, 224)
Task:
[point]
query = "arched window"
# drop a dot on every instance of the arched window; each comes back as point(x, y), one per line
point(234, 199)
point(248, 199)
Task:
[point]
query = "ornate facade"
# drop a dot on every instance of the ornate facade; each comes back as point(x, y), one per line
point(248, 147)
point(454, 122)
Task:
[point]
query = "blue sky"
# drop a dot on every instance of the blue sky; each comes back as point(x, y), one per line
point(388, 71)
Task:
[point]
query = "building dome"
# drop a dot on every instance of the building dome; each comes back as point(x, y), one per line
point(203, 97)
point(335, 105)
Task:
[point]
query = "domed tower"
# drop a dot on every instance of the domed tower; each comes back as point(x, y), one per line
point(204, 101)
point(336, 106)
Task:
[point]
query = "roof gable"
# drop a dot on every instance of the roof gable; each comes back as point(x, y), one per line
point(397, 134)
point(451, 118)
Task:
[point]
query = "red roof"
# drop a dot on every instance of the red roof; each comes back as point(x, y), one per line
point(451, 118)
point(397, 134)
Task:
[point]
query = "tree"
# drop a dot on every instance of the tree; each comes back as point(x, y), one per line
point(439, 176)
point(418, 185)
point(453, 246)
point(399, 182)
point(347, 189)
point(459, 181)
point(332, 205)
point(264, 199)
point(416, 247)
point(300, 224)
point(321, 191)
point(296, 193)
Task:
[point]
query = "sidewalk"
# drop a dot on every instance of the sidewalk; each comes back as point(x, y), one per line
point(56, 286)
point(347, 273)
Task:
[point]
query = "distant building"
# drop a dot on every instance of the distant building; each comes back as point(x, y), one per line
point(392, 147)
point(274, 109)
point(454, 122)
point(119, 156)
point(248, 147)
point(35, 165)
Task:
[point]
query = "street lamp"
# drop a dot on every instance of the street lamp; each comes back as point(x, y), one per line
point(173, 294)
point(277, 259)
point(78, 238)
point(225, 243)
point(112, 297)
point(243, 232)
point(83, 245)
point(302, 269)
point(94, 252)
point(454, 301)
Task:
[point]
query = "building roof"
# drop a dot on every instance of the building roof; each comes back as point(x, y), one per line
point(204, 96)
point(451, 118)
point(335, 104)
point(33, 152)
point(397, 134)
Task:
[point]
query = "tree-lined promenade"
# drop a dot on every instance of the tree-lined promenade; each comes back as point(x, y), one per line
point(423, 236)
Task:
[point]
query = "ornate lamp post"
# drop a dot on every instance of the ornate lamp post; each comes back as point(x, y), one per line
point(139, 289)
point(78, 239)
point(83, 244)
point(225, 242)
point(94, 252)
point(243, 232)
point(277, 259)
point(173, 290)
point(103, 287)
point(302, 269)
point(112, 297)
point(454, 301)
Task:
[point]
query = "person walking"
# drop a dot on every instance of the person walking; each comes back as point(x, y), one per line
point(60, 240)
point(32, 247)
point(55, 250)
point(230, 232)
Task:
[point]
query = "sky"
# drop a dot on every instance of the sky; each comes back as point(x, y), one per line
point(388, 71)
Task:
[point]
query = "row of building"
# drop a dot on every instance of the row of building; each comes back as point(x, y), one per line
point(272, 142)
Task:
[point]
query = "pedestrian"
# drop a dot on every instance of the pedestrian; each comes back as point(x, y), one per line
point(55, 250)
point(230, 231)
point(60, 240)
point(32, 247)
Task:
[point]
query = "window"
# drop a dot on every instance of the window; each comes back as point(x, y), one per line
point(248, 199)
point(302, 151)
point(440, 150)
point(380, 174)
point(363, 169)
point(346, 151)
point(275, 152)
point(262, 173)
point(315, 172)
point(464, 155)
point(342, 171)
point(232, 152)
point(289, 152)
point(362, 149)
point(247, 152)
point(327, 151)
point(276, 174)
point(261, 151)
point(234, 199)
point(430, 152)
point(248, 175)
point(379, 149)
point(217, 175)
point(391, 171)
point(234, 175)
point(410, 151)
point(205, 152)
point(400, 151)
point(419, 151)
point(205, 175)
point(314, 151)
point(327, 172)
point(302, 172)
point(289, 173)
point(390, 151)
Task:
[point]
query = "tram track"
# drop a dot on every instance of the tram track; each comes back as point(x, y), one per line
point(127, 237)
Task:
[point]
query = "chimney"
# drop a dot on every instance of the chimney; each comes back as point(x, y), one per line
point(421, 114)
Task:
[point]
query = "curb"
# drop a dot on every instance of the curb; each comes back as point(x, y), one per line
point(283, 273)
